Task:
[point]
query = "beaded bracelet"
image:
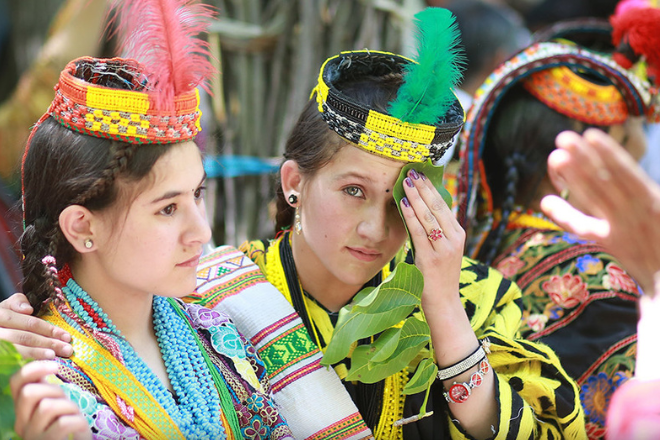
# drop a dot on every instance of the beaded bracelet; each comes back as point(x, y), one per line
point(459, 392)
point(467, 363)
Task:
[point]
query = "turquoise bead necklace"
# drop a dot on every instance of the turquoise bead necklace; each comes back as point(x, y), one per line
point(198, 411)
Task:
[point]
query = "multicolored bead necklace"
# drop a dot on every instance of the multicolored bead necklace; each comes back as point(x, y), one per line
point(198, 413)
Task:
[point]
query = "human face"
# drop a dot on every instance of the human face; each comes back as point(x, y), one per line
point(153, 245)
point(351, 227)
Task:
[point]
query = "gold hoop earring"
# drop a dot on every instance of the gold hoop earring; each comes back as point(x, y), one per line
point(296, 222)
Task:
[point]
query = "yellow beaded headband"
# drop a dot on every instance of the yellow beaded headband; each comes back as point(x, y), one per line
point(426, 115)
point(570, 94)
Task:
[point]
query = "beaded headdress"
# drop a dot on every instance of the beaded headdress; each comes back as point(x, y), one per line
point(570, 93)
point(426, 115)
point(636, 93)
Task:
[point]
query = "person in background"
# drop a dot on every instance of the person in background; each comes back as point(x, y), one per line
point(490, 33)
point(576, 296)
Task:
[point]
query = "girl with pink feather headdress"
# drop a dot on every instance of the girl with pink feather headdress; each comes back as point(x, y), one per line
point(114, 225)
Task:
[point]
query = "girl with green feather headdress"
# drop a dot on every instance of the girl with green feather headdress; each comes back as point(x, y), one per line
point(425, 344)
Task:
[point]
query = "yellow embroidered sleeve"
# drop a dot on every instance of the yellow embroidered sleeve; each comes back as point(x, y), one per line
point(537, 398)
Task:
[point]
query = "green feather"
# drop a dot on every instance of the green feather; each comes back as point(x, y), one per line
point(427, 89)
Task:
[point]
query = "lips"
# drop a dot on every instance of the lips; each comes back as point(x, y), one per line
point(363, 254)
point(193, 262)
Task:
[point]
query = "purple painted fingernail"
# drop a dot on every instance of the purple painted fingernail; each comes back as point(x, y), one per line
point(414, 174)
point(405, 201)
point(422, 175)
point(409, 182)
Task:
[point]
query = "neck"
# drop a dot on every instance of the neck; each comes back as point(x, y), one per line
point(130, 312)
point(315, 279)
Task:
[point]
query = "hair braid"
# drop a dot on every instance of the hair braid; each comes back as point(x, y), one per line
point(490, 248)
point(120, 157)
point(40, 281)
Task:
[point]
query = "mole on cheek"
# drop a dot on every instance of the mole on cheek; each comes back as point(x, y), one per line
point(387, 190)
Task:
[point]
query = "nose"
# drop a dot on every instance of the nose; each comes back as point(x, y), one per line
point(198, 228)
point(374, 224)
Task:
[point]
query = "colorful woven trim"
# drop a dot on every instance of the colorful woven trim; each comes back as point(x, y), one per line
point(640, 99)
point(570, 94)
point(373, 131)
point(123, 115)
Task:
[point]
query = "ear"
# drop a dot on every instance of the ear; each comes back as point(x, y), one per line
point(291, 178)
point(78, 224)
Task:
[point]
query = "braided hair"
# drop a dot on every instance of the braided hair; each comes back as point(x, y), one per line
point(519, 139)
point(64, 168)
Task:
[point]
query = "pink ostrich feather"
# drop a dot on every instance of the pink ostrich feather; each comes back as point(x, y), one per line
point(163, 36)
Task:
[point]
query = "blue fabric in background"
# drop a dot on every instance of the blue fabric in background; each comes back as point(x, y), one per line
point(235, 166)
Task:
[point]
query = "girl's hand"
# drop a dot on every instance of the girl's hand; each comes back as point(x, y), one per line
point(42, 409)
point(438, 238)
point(34, 338)
point(439, 242)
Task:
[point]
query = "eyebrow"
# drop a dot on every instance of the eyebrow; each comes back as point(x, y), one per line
point(173, 194)
point(354, 175)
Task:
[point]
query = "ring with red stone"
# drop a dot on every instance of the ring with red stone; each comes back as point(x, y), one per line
point(435, 234)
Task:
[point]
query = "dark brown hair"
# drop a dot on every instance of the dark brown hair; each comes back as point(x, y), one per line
point(518, 142)
point(64, 168)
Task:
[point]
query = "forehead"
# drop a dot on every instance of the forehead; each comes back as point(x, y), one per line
point(351, 160)
point(179, 168)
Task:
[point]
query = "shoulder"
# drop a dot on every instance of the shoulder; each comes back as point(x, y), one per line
point(222, 273)
point(556, 256)
point(205, 318)
point(255, 250)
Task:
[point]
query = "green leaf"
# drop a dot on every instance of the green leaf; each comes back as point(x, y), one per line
point(6, 415)
point(382, 308)
point(359, 298)
point(423, 378)
point(10, 359)
point(386, 344)
point(10, 362)
point(432, 172)
point(402, 289)
point(414, 336)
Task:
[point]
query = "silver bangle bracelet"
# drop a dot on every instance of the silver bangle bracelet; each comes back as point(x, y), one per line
point(465, 364)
